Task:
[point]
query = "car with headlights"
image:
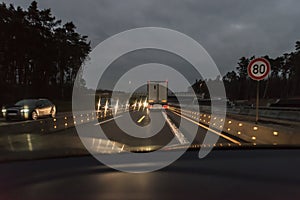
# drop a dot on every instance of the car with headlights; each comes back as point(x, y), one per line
point(29, 109)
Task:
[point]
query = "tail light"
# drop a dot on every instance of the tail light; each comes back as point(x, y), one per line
point(166, 106)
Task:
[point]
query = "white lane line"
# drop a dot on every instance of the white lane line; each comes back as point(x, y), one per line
point(141, 119)
point(178, 134)
point(108, 120)
point(209, 129)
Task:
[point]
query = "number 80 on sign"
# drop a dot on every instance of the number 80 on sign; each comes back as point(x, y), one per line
point(258, 69)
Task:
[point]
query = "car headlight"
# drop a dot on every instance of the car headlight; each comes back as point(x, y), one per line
point(25, 110)
point(3, 110)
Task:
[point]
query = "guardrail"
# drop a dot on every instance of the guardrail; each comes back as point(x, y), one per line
point(272, 113)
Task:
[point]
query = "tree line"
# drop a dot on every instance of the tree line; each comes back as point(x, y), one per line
point(39, 56)
point(283, 81)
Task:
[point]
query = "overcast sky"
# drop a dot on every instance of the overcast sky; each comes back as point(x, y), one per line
point(227, 29)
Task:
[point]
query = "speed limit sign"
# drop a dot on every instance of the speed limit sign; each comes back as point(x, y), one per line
point(258, 69)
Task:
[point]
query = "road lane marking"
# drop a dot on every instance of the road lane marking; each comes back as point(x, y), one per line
point(141, 119)
point(209, 129)
point(108, 120)
point(178, 134)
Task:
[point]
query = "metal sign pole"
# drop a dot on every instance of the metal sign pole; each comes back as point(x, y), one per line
point(257, 101)
point(258, 69)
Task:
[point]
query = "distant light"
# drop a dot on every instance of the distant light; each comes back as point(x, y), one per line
point(239, 133)
point(255, 128)
point(222, 120)
point(145, 104)
point(240, 124)
point(65, 117)
point(275, 133)
point(253, 138)
point(229, 122)
point(54, 119)
point(54, 127)
point(66, 124)
point(228, 129)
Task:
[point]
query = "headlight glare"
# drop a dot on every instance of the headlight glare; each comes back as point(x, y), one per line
point(25, 110)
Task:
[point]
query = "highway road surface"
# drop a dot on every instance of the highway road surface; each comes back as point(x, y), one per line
point(66, 141)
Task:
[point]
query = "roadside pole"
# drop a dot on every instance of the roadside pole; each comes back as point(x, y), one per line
point(257, 102)
point(258, 69)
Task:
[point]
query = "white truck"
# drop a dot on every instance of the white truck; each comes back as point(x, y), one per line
point(157, 92)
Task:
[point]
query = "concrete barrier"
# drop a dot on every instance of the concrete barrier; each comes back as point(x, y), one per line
point(264, 112)
point(248, 131)
point(49, 125)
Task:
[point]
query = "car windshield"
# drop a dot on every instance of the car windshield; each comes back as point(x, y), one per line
point(26, 102)
point(143, 76)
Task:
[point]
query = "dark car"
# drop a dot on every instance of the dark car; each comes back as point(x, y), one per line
point(29, 109)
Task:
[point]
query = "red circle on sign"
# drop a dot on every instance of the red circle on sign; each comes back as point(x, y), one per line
point(266, 72)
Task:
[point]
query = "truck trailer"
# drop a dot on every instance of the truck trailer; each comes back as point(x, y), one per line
point(157, 92)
